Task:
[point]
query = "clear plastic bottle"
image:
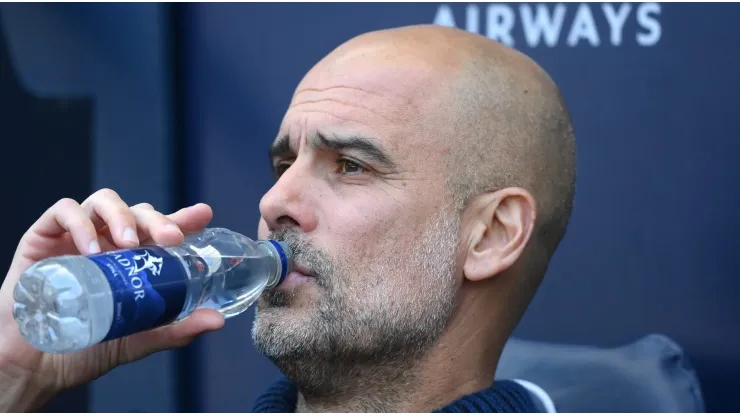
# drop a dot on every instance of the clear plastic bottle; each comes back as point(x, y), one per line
point(68, 303)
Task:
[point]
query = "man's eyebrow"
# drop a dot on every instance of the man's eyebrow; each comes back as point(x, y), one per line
point(280, 148)
point(366, 146)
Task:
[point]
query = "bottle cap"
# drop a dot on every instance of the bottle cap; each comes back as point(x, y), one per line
point(284, 253)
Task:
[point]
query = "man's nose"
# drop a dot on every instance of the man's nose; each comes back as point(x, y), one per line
point(288, 204)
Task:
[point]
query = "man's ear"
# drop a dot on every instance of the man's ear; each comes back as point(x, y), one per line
point(502, 224)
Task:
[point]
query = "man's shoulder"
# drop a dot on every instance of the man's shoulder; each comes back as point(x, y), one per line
point(504, 396)
point(280, 397)
point(541, 399)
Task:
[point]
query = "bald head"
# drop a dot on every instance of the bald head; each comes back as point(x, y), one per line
point(514, 131)
point(497, 114)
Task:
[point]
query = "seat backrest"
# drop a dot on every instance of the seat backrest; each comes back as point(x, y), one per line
point(649, 375)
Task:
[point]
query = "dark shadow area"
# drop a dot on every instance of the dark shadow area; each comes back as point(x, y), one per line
point(46, 156)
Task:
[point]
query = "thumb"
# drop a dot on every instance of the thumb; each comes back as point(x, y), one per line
point(201, 321)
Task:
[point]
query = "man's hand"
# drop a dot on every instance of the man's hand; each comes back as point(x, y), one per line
point(104, 222)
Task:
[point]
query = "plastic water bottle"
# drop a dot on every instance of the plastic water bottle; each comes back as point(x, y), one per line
point(68, 303)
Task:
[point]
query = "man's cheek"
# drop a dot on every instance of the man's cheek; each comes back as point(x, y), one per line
point(364, 227)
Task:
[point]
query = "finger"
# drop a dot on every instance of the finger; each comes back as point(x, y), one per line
point(65, 216)
point(105, 207)
point(105, 242)
point(140, 345)
point(156, 226)
point(192, 219)
point(104, 233)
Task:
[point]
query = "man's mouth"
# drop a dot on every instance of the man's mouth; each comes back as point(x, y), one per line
point(298, 276)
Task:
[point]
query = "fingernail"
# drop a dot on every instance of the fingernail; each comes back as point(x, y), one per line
point(129, 234)
point(94, 247)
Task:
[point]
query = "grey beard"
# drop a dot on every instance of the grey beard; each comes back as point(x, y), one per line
point(360, 381)
point(356, 348)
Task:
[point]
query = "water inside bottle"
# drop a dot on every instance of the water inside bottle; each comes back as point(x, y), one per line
point(232, 283)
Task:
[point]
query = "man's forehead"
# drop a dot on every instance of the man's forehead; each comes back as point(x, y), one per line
point(400, 81)
point(392, 99)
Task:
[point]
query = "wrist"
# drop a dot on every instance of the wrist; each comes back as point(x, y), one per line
point(20, 389)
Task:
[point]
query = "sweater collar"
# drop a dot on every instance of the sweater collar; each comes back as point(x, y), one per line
point(504, 396)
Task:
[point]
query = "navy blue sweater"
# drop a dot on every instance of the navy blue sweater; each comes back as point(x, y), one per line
point(503, 396)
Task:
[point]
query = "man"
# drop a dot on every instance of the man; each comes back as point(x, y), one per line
point(424, 178)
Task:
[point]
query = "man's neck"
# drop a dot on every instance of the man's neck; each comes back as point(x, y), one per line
point(407, 395)
point(360, 388)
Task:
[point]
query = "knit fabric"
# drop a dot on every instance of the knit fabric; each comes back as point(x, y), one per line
point(504, 396)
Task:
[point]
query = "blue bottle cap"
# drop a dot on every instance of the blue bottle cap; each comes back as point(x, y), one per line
point(283, 251)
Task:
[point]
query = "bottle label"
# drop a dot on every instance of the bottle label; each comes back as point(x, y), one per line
point(149, 288)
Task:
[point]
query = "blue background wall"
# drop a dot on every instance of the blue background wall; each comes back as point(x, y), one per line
point(653, 91)
point(116, 56)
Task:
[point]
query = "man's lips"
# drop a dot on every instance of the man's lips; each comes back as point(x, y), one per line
point(301, 269)
point(295, 278)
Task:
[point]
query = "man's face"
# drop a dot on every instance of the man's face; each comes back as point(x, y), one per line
point(361, 199)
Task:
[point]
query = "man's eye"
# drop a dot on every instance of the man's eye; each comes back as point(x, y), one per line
point(280, 169)
point(349, 167)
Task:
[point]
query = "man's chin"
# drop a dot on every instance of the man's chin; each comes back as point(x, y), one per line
point(283, 332)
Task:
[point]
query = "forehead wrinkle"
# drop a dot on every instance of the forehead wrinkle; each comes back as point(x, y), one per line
point(334, 115)
point(337, 87)
point(405, 101)
point(332, 100)
point(390, 108)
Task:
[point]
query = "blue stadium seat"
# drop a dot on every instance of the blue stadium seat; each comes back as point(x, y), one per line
point(649, 375)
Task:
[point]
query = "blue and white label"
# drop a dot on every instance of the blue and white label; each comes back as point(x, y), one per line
point(149, 288)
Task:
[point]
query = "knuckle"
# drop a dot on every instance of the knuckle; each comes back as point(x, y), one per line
point(124, 212)
point(107, 193)
point(78, 223)
point(145, 205)
point(28, 235)
point(66, 203)
point(163, 218)
point(149, 214)
point(163, 221)
point(125, 354)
